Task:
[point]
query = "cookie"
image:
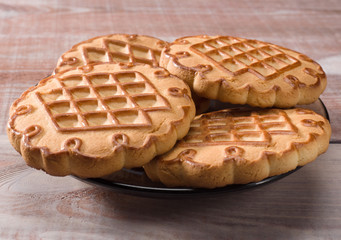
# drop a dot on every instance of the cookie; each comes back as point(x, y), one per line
point(243, 71)
point(119, 48)
point(239, 146)
point(94, 120)
point(113, 48)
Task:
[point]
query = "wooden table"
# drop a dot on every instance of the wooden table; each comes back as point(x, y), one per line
point(33, 205)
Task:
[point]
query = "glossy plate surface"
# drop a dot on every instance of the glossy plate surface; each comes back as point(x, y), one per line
point(135, 181)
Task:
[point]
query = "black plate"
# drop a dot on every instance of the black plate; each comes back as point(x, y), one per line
point(135, 181)
point(142, 188)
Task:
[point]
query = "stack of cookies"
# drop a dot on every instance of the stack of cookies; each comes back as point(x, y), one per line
point(125, 101)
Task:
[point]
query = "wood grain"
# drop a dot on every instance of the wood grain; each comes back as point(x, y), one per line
point(33, 34)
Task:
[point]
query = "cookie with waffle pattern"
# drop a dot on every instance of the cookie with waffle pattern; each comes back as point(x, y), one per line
point(244, 71)
point(119, 48)
point(114, 48)
point(94, 120)
point(239, 146)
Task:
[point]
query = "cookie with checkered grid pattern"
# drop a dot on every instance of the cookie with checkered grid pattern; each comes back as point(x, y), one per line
point(94, 120)
point(119, 48)
point(239, 146)
point(244, 71)
point(113, 48)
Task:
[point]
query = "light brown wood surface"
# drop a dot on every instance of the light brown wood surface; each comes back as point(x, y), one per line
point(33, 205)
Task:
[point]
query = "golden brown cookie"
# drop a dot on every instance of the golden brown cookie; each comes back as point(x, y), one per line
point(113, 48)
point(96, 119)
point(118, 48)
point(239, 146)
point(243, 71)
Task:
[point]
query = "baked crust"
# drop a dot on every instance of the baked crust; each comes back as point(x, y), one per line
point(96, 119)
point(243, 71)
point(114, 48)
point(239, 146)
point(118, 48)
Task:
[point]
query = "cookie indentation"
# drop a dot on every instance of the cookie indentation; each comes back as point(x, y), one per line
point(99, 79)
point(32, 131)
point(107, 91)
point(96, 55)
point(146, 101)
point(60, 107)
point(136, 88)
point(67, 121)
point(117, 103)
point(72, 81)
point(23, 109)
point(120, 139)
point(117, 46)
point(81, 92)
point(88, 105)
point(141, 53)
point(98, 119)
point(234, 151)
point(72, 144)
point(126, 77)
point(53, 95)
point(130, 117)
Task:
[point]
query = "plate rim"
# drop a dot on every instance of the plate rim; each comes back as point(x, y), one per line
point(178, 191)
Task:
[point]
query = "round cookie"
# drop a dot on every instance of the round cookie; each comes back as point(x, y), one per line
point(94, 120)
point(113, 48)
point(243, 71)
point(117, 48)
point(239, 146)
